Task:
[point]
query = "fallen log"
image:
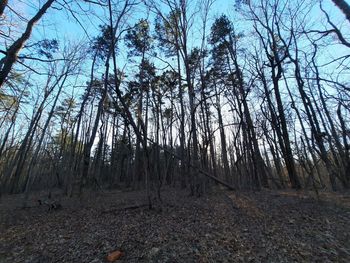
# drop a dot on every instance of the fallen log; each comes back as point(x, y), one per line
point(131, 207)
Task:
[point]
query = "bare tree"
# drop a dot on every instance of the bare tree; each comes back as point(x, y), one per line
point(10, 58)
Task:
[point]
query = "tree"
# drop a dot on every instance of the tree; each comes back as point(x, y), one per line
point(223, 34)
point(11, 56)
point(168, 36)
point(3, 4)
point(276, 55)
point(139, 41)
point(344, 7)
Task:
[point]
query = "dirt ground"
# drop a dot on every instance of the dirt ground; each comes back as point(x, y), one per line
point(222, 226)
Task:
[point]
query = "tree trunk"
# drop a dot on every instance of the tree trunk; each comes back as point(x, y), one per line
point(222, 135)
point(344, 7)
point(3, 4)
point(88, 146)
point(12, 52)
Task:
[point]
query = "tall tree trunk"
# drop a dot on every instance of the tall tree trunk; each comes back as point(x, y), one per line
point(137, 173)
point(20, 158)
point(207, 120)
point(311, 114)
point(346, 179)
point(90, 142)
point(182, 124)
point(12, 52)
point(29, 178)
point(222, 135)
point(288, 155)
point(258, 162)
point(74, 163)
point(3, 4)
point(344, 7)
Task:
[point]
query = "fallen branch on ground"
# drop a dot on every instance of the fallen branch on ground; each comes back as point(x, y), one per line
point(132, 207)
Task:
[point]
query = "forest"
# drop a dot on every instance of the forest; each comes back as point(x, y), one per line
point(174, 131)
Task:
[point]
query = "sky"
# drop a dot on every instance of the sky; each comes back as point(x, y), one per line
point(60, 24)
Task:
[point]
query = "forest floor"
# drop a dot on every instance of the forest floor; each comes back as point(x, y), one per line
point(222, 226)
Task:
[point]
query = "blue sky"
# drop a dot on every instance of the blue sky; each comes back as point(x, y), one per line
point(61, 25)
